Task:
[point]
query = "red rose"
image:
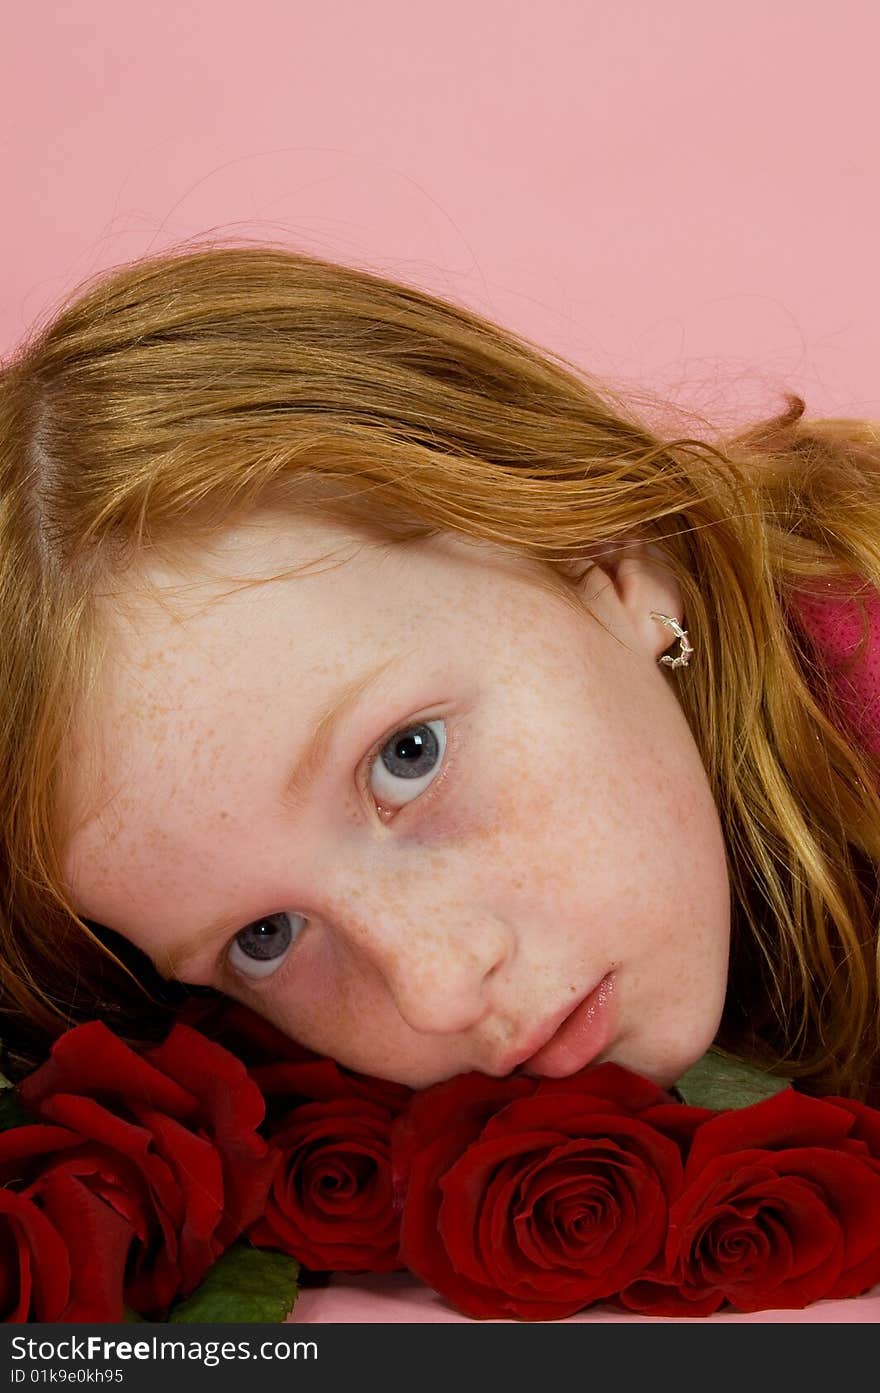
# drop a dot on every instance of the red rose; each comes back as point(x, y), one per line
point(533, 1198)
point(167, 1139)
point(246, 1034)
point(318, 1078)
point(51, 1215)
point(780, 1208)
point(330, 1205)
point(285, 1072)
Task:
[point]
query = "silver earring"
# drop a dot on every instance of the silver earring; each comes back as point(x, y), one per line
point(684, 656)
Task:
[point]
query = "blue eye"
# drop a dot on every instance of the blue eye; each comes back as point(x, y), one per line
point(265, 951)
point(409, 761)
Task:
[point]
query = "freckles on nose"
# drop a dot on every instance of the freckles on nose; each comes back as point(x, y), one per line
point(435, 979)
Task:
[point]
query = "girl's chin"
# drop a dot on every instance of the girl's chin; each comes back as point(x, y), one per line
point(664, 1074)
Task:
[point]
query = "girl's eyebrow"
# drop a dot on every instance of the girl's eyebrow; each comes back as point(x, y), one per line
point(298, 788)
point(297, 791)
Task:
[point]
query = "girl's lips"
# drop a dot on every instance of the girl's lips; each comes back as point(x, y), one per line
point(584, 1034)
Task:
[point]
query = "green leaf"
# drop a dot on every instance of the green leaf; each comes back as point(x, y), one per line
point(130, 1314)
point(718, 1082)
point(245, 1284)
point(4, 1081)
point(12, 1111)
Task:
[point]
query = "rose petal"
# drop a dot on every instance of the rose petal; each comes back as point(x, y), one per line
point(40, 1288)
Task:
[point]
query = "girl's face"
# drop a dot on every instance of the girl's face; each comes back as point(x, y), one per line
point(510, 808)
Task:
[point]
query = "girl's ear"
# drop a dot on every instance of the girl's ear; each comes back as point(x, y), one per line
point(640, 579)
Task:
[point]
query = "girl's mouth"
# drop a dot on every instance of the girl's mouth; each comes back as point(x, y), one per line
point(583, 1034)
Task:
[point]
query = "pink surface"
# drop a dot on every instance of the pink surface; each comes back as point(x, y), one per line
point(397, 1298)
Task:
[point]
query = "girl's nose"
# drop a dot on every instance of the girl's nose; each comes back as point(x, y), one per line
point(437, 972)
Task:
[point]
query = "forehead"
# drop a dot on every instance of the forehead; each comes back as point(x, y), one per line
point(310, 586)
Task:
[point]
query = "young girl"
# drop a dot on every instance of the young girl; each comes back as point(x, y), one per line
point(370, 666)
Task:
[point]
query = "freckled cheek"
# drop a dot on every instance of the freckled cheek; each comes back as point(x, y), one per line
point(324, 1004)
point(332, 1008)
point(506, 849)
point(455, 818)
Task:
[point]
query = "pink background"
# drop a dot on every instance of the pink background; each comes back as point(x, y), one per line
point(678, 195)
point(681, 196)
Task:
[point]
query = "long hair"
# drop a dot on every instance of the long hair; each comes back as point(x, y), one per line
point(172, 397)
